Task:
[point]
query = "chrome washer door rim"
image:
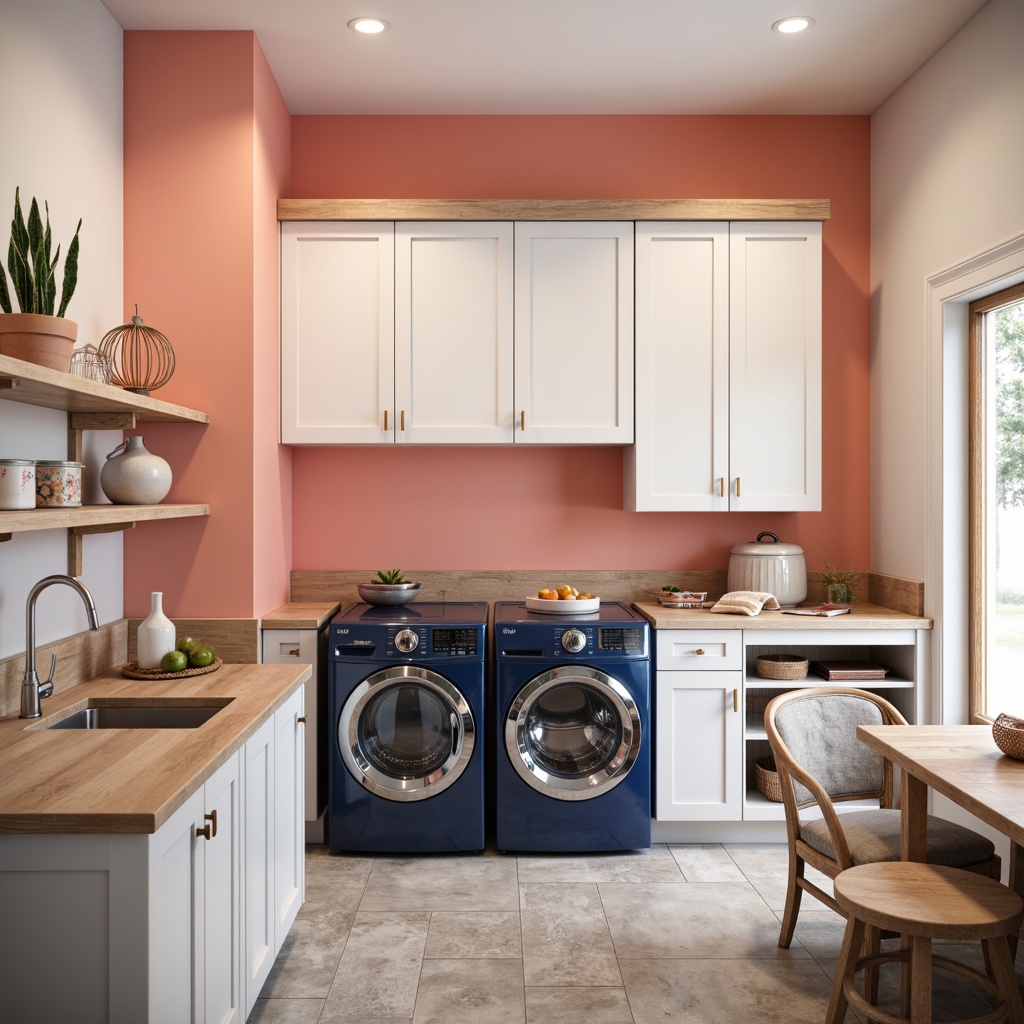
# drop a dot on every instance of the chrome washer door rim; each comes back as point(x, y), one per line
point(584, 787)
point(417, 787)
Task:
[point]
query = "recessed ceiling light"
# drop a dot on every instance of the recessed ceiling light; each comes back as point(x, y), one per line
point(368, 26)
point(787, 26)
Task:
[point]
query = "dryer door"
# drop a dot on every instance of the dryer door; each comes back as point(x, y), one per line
point(573, 733)
point(406, 733)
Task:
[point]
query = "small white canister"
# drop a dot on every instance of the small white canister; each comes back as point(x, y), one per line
point(58, 484)
point(17, 484)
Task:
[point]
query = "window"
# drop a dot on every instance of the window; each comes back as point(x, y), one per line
point(997, 504)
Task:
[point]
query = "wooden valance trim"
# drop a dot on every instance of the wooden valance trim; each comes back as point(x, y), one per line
point(553, 209)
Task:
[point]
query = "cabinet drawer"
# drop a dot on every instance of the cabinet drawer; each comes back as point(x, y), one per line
point(702, 650)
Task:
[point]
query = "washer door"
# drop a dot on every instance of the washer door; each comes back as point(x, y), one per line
point(406, 733)
point(573, 733)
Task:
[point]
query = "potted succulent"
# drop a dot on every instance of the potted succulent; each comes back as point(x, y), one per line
point(839, 584)
point(36, 334)
point(389, 588)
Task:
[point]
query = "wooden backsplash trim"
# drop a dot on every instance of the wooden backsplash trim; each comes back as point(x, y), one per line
point(894, 592)
point(553, 209)
point(236, 641)
point(508, 585)
point(79, 657)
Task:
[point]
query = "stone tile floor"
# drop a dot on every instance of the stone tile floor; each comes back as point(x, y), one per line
point(683, 934)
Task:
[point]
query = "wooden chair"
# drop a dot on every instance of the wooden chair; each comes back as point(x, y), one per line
point(820, 761)
point(925, 902)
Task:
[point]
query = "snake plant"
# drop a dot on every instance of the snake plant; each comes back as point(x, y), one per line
point(390, 577)
point(31, 266)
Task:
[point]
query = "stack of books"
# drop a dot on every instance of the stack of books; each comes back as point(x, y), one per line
point(847, 670)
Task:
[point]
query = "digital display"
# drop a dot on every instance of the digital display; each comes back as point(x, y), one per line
point(455, 641)
point(620, 639)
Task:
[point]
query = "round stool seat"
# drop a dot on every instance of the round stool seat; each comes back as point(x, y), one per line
point(928, 899)
point(923, 902)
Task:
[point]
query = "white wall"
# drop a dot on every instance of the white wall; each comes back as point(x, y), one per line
point(61, 79)
point(947, 221)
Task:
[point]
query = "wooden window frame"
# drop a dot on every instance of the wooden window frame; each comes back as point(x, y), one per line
point(978, 539)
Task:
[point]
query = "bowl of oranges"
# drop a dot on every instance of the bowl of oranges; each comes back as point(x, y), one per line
point(563, 600)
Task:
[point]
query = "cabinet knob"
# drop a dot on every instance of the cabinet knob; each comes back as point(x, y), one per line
point(302, 719)
point(700, 650)
point(209, 830)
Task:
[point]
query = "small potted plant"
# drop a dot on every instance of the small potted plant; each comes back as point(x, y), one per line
point(839, 584)
point(35, 334)
point(389, 588)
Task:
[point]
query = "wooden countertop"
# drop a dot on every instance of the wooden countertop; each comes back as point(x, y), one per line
point(129, 780)
point(861, 616)
point(300, 615)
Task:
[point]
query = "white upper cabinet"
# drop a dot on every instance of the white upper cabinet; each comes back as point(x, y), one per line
point(453, 333)
point(574, 332)
point(337, 332)
point(681, 457)
point(728, 357)
point(775, 367)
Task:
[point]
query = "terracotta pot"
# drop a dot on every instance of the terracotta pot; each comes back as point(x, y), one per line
point(36, 338)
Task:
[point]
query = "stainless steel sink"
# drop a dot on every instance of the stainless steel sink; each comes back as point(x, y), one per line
point(153, 716)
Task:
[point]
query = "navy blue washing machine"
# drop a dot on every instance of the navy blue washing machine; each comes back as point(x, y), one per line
point(406, 713)
point(573, 733)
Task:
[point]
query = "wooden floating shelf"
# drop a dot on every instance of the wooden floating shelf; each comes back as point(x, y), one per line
point(553, 209)
point(91, 405)
point(92, 518)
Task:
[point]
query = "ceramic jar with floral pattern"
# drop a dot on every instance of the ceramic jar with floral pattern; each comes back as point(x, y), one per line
point(17, 484)
point(58, 484)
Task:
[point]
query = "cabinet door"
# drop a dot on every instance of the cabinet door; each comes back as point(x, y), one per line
point(222, 894)
point(289, 827)
point(574, 333)
point(680, 461)
point(176, 918)
point(698, 746)
point(775, 367)
point(337, 332)
point(258, 775)
point(453, 333)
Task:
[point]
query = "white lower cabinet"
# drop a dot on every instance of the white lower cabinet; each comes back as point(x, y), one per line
point(698, 741)
point(274, 840)
point(710, 701)
point(128, 928)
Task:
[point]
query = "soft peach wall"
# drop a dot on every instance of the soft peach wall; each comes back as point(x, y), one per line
point(272, 462)
point(204, 149)
point(562, 508)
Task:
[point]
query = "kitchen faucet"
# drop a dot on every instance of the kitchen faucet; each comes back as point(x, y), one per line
point(31, 689)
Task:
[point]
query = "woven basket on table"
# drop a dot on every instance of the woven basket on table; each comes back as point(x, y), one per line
point(781, 666)
point(767, 778)
point(1008, 732)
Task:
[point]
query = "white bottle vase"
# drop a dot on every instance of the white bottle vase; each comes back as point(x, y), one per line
point(133, 475)
point(156, 634)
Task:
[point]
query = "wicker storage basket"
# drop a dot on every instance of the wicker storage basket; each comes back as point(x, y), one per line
point(767, 778)
point(781, 666)
point(1008, 732)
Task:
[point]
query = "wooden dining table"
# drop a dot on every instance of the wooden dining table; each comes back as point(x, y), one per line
point(964, 764)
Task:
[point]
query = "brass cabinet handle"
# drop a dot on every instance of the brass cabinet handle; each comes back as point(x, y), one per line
point(403, 419)
point(721, 485)
point(737, 487)
point(385, 421)
point(302, 719)
point(735, 700)
point(522, 419)
point(210, 829)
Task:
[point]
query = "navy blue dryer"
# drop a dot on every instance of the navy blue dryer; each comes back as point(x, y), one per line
point(407, 727)
point(573, 736)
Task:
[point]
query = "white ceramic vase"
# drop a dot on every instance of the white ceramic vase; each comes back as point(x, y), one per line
point(156, 635)
point(133, 475)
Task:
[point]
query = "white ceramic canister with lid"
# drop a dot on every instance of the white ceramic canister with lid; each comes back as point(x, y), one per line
point(770, 568)
point(17, 484)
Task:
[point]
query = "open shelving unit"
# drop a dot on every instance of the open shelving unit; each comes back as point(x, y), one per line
point(89, 406)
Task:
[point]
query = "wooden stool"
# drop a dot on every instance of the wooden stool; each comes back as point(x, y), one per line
point(925, 902)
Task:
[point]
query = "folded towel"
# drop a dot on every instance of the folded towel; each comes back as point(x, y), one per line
point(745, 602)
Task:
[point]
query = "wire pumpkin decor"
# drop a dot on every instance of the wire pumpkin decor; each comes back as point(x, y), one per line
point(141, 358)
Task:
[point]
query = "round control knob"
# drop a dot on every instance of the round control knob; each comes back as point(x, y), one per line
point(406, 641)
point(574, 640)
